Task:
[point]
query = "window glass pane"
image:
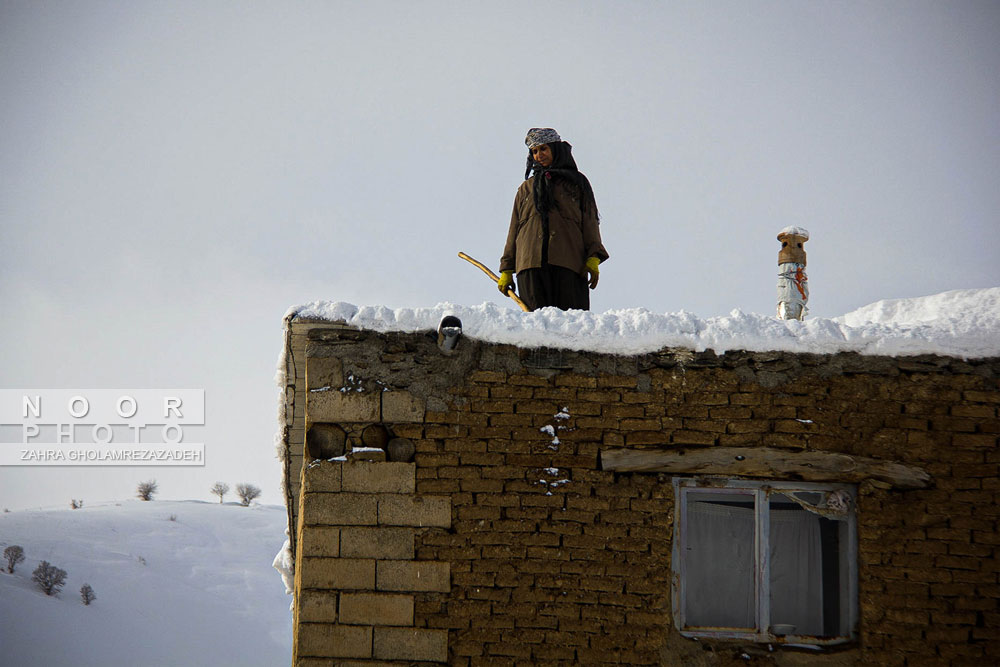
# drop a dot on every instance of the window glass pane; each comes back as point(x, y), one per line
point(719, 560)
point(808, 571)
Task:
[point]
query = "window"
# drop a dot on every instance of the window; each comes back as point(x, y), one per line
point(765, 561)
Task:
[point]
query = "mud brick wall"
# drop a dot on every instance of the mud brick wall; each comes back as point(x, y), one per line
point(356, 574)
point(545, 558)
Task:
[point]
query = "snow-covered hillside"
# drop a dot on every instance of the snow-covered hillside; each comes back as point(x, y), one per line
point(960, 323)
point(195, 590)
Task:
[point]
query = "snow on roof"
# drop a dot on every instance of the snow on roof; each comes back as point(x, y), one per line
point(959, 323)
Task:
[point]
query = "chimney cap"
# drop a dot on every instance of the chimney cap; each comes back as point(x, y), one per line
point(793, 231)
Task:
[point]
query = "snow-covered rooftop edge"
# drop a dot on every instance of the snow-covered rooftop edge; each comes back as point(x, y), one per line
point(959, 323)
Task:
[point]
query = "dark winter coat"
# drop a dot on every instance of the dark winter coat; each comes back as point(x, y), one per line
point(573, 235)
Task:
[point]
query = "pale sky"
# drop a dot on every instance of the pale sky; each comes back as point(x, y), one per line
point(177, 174)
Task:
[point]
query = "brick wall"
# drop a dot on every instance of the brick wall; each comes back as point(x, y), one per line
point(504, 542)
point(356, 574)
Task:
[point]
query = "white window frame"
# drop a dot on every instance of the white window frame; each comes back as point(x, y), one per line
point(761, 491)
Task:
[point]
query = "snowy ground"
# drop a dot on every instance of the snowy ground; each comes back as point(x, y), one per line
point(197, 590)
point(959, 323)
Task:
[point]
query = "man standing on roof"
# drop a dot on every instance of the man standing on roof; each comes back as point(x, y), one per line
point(554, 240)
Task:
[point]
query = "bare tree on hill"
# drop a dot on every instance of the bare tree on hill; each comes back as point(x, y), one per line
point(49, 577)
point(247, 492)
point(220, 489)
point(13, 554)
point(145, 490)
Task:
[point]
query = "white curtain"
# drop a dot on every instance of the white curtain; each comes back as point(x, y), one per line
point(719, 566)
point(797, 571)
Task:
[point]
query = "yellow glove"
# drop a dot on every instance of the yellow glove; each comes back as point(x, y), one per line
point(506, 281)
point(595, 273)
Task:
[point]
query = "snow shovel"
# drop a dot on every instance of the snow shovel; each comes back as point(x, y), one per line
point(496, 279)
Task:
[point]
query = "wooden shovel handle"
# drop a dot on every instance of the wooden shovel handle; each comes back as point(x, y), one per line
point(495, 279)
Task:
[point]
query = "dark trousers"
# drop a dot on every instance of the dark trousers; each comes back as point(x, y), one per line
point(553, 286)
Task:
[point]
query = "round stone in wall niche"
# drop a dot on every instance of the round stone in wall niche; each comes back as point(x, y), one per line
point(325, 441)
point(401, 450)
point(376, 436)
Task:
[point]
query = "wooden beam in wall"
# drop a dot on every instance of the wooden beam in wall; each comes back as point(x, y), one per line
point(778, 464)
